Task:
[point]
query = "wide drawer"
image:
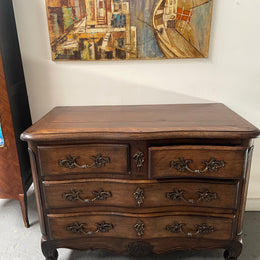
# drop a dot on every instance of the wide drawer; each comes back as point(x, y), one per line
point(145, 226)
point(196, 161)
point(140, 194)
point(91, 158)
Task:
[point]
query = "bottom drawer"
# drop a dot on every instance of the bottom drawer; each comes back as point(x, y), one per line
point(145, 226)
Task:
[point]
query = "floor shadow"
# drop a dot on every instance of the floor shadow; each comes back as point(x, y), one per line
point(32, 207)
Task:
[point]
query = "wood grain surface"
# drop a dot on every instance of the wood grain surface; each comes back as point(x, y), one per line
point(155, 194)
point(141, 122)
point(10, 175)
point(160, 159)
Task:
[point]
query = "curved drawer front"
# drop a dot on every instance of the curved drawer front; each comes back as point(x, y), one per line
point(196, 161)
point(140, 226)
point(140, 194)
point(92, 158)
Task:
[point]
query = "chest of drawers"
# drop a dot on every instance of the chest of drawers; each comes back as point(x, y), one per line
point(141, 179)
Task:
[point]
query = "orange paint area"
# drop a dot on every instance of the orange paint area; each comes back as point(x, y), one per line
point(184, 15)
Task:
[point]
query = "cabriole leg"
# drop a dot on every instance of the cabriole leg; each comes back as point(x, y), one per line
point(234, 251)
point(49, 251)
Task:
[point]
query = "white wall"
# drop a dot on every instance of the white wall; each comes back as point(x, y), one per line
point(230, 75)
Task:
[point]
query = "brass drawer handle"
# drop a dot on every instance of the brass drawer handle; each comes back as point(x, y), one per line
point(79, 228)
point(139, 159)
point(202, 229)
point(71, 162)
point(74, 195)
point(205, 196)
point(139, 228)
point(139, 196)
point(212, 165)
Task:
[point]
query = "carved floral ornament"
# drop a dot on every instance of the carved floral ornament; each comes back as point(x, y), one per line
point(139, 159)
point(80, 228)
point(139, 228)
point(139, 248)
point(139, 196)
point(74, 195)
point(182, 165)
point(71, 162)
point(178, 195)
point(202, 229)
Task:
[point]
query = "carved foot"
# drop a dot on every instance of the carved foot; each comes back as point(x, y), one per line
point(234, 251)
point(49, 252)
point(52, 254)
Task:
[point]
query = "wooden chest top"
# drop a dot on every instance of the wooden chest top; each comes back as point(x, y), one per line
point(210, 120)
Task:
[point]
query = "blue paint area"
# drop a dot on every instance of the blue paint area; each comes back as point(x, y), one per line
point(141, 17)
point(118, 20)
point(200, 24)
point(1, 137)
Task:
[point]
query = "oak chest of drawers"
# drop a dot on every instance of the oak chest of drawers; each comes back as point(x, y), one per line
point(141, 179)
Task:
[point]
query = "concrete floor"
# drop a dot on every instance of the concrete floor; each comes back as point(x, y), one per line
point(19, 243)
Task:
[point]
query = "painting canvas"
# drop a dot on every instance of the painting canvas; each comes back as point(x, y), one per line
point(129, 29)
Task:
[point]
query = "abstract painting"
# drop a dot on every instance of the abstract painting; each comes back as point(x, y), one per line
point(129, 29)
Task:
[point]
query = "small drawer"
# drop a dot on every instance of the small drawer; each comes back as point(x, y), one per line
point(196, 161)
point(140, 194)
point(91, 158)
point(145, 226)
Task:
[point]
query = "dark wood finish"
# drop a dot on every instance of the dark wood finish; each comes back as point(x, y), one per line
point(160, 158)
point(141, 204)
point(118, 158)
point(234, 251)
point(194, 193)
point(154, 225)
point(15, 173)
point(49, 251)
point(140, 123)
